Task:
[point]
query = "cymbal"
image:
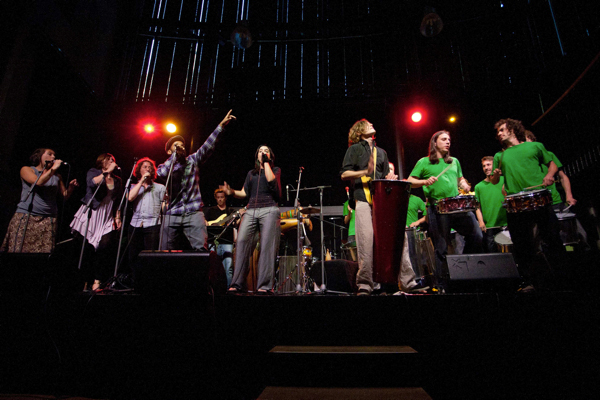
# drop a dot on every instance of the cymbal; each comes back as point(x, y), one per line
point(310, 210)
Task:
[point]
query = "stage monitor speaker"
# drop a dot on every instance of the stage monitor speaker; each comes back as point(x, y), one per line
point(171, 273)
point(481, 272)
point(340, 275)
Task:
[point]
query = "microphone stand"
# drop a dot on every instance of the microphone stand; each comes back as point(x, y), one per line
point(29, 209)
point(87, 223)
point(162, 206)
point(125, 199)
point(302, 281)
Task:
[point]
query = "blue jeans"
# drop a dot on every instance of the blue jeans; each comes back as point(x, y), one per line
point(225, 251)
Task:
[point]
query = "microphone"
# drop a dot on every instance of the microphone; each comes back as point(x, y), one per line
point(287, 189)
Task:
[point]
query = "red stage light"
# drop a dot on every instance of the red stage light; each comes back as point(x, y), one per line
point(416, 117)
point(149, 128)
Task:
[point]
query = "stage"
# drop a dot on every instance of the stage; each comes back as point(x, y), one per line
point(163, 344)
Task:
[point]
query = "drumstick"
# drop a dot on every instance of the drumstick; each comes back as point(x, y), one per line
point(442, 173)
point(531, 187)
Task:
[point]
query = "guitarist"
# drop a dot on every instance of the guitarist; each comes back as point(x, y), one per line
point(215, 217)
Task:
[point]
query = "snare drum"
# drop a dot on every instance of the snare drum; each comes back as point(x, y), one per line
point(527, 201)
point(458, 204)
point(504, 242)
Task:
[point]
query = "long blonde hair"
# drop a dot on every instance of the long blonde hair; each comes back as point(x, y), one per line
point(356, 131)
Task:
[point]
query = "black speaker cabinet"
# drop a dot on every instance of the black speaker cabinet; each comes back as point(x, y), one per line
point(340, 275)
point(171, 273)
point(481, 272)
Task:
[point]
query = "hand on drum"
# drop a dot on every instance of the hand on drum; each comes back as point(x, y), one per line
point(414, 224)
point(391, 176)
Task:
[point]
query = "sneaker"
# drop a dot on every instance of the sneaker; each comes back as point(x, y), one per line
point(526, 288)
point(418, 288)
point(363, 292)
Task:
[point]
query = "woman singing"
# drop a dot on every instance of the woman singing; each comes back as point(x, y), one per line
point(146, 197)
point(262, 188)
point(104, 218)
point(41, 205)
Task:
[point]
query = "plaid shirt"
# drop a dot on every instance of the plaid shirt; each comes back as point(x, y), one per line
point(189, 198)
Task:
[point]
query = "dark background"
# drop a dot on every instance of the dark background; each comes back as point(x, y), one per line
point(82, 76)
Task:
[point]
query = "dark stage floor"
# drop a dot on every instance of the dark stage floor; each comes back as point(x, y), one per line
point(162, 345)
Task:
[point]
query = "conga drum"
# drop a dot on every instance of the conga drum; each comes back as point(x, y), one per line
point(390, 204)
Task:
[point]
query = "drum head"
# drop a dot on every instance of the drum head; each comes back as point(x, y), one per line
point(503, 238)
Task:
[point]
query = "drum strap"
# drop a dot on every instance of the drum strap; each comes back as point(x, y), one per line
point(366, 179)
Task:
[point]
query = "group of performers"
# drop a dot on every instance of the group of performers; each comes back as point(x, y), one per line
point(165, 214)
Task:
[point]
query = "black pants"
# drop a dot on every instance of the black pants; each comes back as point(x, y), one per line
point(537, 264)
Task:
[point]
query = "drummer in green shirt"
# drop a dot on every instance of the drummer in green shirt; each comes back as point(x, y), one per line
point(415, 204)
point(521, 165)
point(440, 175)
point(491, 216)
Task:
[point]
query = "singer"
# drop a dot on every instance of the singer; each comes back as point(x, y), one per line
point(104, 219)
point(146, 197)
point(262, 188)
point(41, 205)
point(184, 212)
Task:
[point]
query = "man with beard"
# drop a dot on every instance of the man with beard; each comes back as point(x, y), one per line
point(184, 211)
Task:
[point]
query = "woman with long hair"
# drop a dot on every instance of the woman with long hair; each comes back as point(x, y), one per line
point(32, 228)
point(262, 189)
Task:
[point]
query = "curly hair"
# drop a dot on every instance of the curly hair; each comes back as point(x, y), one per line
point(36, 157)
point(138, 168)
point(356, 131)
point(433, 158)
point(529, 135)
point(512, 125)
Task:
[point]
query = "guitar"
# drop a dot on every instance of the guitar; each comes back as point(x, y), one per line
point(224, 218)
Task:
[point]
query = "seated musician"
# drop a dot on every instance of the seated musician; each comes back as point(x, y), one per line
point(218, 224)
point(441, 176)
point(520, 165)
point(491, 215)
point(364, 161)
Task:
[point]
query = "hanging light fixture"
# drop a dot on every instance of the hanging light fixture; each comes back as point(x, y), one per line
point(431, 24)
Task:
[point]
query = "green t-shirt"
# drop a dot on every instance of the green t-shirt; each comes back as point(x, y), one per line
point(556, 199)
point(415, 203)
point(447, 184)
point(522, 165)
point(351, 230)
point(490, 197)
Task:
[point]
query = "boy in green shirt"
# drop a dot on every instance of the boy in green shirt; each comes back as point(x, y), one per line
point(491, 216)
